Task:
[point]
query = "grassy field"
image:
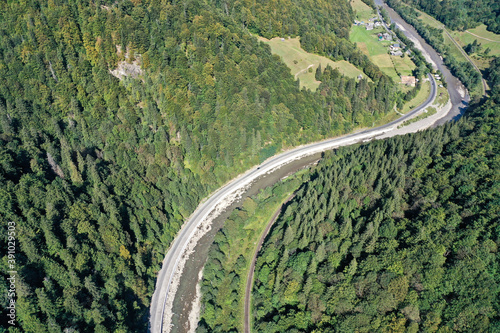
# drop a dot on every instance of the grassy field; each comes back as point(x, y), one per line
point(486, 38)
point(442, 96)
point(484, 34)
point(419, 99)
point(303, 65)
point(492, 42)
point(376, 50)
point(362, 10)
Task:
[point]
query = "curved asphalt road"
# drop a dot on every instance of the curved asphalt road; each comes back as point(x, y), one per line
point(178, 246)
point(458, 95)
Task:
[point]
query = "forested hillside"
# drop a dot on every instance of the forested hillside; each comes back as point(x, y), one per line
point(493, 76)
point(395, 235)
point(99, 173)
point(226, 271)
point(462, 15)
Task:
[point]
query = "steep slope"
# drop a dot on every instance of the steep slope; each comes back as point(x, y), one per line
point(98, 173)
point(395, 235)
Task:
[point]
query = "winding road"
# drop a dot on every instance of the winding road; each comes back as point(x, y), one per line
point(200, 220)
point(173, 262)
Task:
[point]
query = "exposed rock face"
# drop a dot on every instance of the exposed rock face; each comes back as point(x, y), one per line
point(127, 67)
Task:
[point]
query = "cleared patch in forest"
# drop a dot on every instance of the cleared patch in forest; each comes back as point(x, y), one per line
point(482, 33)
point(303, 64)
point(489, 44)
point(130, 66)
point(363, 12)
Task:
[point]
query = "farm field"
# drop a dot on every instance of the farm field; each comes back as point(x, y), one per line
point(376, 50)
point(303, 65)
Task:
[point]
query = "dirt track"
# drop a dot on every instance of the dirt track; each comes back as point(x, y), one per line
point(490, 40)
point(248, 288)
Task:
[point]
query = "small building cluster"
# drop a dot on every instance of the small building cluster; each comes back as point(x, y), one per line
point(370, 25)
point(395, 49)
point(438, 78)
point(384, 36)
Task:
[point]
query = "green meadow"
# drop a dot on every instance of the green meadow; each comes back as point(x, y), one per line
point(303, 65)
point(377, 51)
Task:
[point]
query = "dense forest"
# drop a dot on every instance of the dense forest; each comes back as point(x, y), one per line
point(99, 170)
point(493, 77)
point(392, 236)
point(225, 273)
point(395, 235)
point(434, 36)
point(462, 14)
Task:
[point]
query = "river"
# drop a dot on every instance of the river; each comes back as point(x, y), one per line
point(459, 96)
point(187, 292)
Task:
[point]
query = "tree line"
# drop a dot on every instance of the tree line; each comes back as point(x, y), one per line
point(434, 36)
point(462, 15)
point(99, 173)
point(393, 235)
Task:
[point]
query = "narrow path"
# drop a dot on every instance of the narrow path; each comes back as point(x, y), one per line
point(490, 40)
point(248, 289)
point(483, 81)
point(303, 71)
point(200, 221)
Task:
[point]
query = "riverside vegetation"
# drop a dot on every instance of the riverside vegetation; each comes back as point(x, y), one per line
point(434, 36)
point(225, 273)
point(390, 236)
point(394, 235)
point(462, 15)
point(99, 173)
